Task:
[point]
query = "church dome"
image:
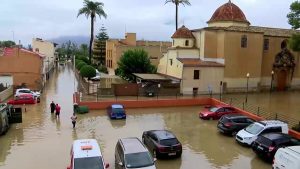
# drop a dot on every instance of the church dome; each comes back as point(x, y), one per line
point(229, 12)
point(183, 32)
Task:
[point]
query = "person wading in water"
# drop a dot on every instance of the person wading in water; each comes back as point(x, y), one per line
point(52, 107)
point(74, 118)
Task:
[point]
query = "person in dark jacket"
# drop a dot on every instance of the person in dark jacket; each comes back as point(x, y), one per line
point(52, 107)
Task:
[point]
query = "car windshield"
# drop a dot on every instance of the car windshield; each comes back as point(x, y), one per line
point(118, 111)
point(137, 160)
point(25, 91)
point(213, 109)
point(254, 128)
point(169, 142)
point(88, 163)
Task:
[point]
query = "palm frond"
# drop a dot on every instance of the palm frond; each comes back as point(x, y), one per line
point(84, 11)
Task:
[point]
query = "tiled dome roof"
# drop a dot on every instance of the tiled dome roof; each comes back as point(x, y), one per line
point(183, 32)
point(229, 12)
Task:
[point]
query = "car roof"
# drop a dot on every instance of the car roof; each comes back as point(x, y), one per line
point(23, 89)
point(116, 106)
point(234, 116)
point(275, 136)
point(272, 123)
point(132, 145)
point(222, 106)
point(163, 134)
point(86, 148)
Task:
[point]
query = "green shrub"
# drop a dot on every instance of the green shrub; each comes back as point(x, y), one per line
point(88, 71)
point(102, 68)
point(84, 59)
point(80, 65)
point(77, 61)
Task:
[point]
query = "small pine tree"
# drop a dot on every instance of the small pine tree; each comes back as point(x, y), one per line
point(99, 50)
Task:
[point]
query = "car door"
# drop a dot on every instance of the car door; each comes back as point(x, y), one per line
point(220, 112)
point(146, 138)
point(153, 141)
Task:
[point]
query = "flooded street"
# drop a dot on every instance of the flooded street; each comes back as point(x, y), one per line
point(43, 142)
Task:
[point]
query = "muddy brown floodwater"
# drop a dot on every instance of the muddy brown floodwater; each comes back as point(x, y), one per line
point(43, 142)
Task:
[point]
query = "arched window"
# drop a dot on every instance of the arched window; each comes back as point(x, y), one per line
point(244, 41)
point(186, 42)
point(283, 44)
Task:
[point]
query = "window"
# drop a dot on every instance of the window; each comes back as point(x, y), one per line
point(187, 43)
point(266, 44)
point(171, 62)
point(244, 41)
point(37, 50)
point(173, 42)
point(196, 74)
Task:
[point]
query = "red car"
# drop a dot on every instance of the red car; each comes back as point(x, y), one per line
point(23, 99)
point(216, 112)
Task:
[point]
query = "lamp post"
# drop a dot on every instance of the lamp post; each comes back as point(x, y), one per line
point(221, 85)
point(248, 75)
point(272, 78)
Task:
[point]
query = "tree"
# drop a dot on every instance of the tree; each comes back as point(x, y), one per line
point(294, 15)
point(91, 9)
point(7, 43)
point(99, 49)
point(177, 3)
point(88, 71)
point(134, 61)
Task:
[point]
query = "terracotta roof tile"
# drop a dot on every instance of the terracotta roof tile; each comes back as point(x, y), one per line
point(188, 62)
point(228, 12)
point(183, 32)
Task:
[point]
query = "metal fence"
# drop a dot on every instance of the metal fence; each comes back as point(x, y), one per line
point(261, 111)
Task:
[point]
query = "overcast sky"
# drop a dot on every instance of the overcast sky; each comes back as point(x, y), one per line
point(150, 19)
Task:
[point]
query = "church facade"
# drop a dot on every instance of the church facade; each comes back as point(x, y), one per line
point(230, 55)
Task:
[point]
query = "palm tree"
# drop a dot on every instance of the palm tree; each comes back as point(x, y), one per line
point(177, 3)
point(91, 9)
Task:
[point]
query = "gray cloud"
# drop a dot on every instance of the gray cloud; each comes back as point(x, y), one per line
point(152, 20)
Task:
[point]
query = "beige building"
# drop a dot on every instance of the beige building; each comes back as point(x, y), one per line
point(24, 66)
point(47, 49)
point(220, 56)
point(115, 48)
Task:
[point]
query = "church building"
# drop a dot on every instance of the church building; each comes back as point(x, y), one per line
point(230, 55)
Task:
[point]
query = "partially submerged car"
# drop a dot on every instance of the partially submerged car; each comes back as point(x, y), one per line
point(22, 91)
point(23, 99)
point(216, 112)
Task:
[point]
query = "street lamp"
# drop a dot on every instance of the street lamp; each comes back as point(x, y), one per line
point(248, 75)
point(272, 78)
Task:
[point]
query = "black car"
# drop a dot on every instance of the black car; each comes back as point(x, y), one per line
point(162, 143)
point(266, 145)
point(232, 123)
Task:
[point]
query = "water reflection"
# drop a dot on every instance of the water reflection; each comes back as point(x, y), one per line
point(118, 123)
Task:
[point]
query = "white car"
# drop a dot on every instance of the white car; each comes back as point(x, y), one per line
point(28, 91)
point(97, 77)
point(287, 158)
point(249, 134)
point(86, 153)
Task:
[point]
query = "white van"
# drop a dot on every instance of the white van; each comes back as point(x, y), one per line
point(249, 134)
point(86, 154)
point(287, 158)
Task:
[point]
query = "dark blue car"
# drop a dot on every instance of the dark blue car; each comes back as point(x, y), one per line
point(116, 111)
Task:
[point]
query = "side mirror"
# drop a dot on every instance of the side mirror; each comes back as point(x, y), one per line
point(120, 164)
point(154, 159)
point(106, 165)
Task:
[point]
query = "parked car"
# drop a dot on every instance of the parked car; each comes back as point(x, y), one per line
point(97, 77)
point(116, 111)
point(216, 112)
point(249, 134)
point(232, 123)
point(22, 91)
point(266, 145)
point(132, 153)
point(287, 158)
point(86, 153)
point(23, 99)
point(4, 125)
point(162, 143)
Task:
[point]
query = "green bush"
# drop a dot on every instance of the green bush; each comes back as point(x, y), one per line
point(88, 71)
point(84, 59)
point(80, 65)
point(77, 61)
point(102, 68)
